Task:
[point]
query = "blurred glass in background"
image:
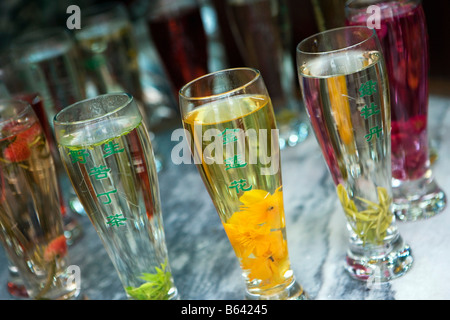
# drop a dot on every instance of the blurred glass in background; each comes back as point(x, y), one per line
point(262, 30)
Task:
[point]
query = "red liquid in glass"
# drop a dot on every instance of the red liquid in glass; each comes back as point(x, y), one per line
point(180, 40)
point(404, 39)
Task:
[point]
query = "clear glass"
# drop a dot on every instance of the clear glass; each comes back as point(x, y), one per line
point(262, 31)
point(403, 36)
point(109, 50)
point(107, 153)
point(345, 87)
point(14, 284)
point(241, 171)
point(31, 228)
point(47, 61)
point(53, 69)
point(14, 86)
point(73, 230)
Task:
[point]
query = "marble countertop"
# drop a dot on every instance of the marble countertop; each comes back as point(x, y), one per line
point(205, 267)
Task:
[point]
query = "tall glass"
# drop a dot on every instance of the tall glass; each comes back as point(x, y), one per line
point(72, 228)
point(53, 69)
point(15, 83)
point(31, 228)
point(13, 86)
point(241, 171)
point(49, 65)
point(179, 36)
point(106, 150)
point(109, 50)
point(404, 40)
point(345, 87)
point(261, 29)
point(14, 284)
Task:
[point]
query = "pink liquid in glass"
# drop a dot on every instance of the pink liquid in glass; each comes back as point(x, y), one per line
point(404, 39)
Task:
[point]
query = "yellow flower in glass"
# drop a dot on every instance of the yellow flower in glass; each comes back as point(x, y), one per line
point(256, 233)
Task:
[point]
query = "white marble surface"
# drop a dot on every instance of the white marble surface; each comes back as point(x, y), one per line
point(204, 265)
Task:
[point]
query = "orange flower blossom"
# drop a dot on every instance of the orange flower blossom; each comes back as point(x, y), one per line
point(256, 236)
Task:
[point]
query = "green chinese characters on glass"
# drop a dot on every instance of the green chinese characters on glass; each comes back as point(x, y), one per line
point(79, 156)
point(240, 185)
point(235, 162)
point(368, 89)
point(99, 173)
point(231, 136)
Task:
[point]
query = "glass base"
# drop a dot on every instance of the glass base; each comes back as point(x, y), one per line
point(392, 261)
point(418, 199)
point(72, 295)
point(15, 284)
point(293, 291)
point(17, 290)
point(173, 294)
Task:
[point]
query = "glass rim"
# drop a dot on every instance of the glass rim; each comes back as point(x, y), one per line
point(46, 33)
point(7, 103)
point(257, 75)
point(33, 41)
point(95, 118)
point(335, 30)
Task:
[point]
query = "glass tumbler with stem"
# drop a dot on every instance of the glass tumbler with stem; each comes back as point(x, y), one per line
point(402, 31)
point(31, 227)
point(345, 87)
point(107, 153)
point(241, 171)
